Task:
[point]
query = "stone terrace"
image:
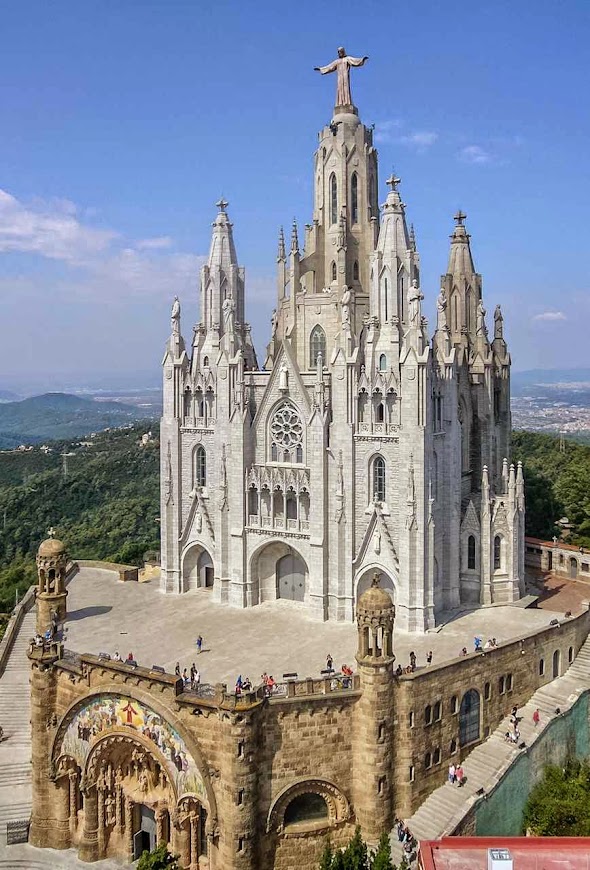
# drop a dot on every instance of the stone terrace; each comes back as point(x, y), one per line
point(105, 615)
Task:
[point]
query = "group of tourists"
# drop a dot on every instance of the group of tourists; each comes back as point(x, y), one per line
point(456, 774)
point(405, 836)
point(190, 681)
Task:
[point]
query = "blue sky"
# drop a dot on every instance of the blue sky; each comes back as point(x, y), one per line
point(123, 122)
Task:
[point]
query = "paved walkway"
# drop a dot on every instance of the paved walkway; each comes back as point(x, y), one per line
point(106, 615)
point(442, 811)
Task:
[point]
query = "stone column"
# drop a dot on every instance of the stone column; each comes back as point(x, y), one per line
point(129, 827)
point(88, 850)
point(194, 834)
point(159, 826)
point(73, 783)
point(101, 830)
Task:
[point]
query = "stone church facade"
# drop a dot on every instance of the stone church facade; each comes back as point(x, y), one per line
point(363, 444)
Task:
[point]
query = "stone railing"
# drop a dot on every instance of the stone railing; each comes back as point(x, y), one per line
point(293, 525)
point(198, 422)
point(125, 572)
point(14, 624)
point(379, 429)
point(310, 686)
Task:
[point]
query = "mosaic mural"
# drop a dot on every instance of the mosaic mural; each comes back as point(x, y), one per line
point(106, 712)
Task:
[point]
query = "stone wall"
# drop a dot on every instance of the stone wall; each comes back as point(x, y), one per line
point(503, 677)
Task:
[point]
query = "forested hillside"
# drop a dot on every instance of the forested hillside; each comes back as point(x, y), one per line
point(557, 484)
point(105, 507)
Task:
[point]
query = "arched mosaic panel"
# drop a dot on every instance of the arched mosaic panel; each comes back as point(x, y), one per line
point(116, 714)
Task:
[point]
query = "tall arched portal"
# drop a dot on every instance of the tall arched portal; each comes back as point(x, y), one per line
point(278, 571)
point(291, 571)
point(197, 569)
point(366, 578)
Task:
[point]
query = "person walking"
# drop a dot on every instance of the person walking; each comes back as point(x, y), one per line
point(459, 775)
point(429, 658)
point(413, 661)
point(452, 771)
point(536, 717)
point(199, 642)
point(177, 669)
point(329, 663)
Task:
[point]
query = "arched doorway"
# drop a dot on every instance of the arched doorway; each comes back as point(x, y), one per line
point(556, 663)
point(278, 571)
point(197, 569)
point(385, 581)
point(469, 724)
point(290, 573)
point(573, 568)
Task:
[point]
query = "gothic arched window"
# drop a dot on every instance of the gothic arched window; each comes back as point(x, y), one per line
point(379, 479)
point(382, 363)
point(354, 198)
point(469, 718)
point(200, 466)
point(286, 434)
point(333, 273)
point(333, 199)
point(355, 271)
point(471, 552)
point(317, 345)
point(497, 553)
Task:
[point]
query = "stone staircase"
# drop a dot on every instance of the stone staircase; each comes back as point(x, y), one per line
point(15, 748)
point(442, 811)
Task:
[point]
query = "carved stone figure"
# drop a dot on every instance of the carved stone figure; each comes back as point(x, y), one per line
point(415, 298)
point(345, 306)
point(273, 323)
point(228, 308)
point(176, 316)
point(481, 324)
point(283, 377)
point(498, 323)
point(342, 66)
point(441, 309)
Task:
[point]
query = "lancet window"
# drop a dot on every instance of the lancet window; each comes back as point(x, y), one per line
point(333, 273)
point(379, 479)
point(354, 198)
point(200, 466)
point(317, 345)
point(471, 553)
point(333, 199)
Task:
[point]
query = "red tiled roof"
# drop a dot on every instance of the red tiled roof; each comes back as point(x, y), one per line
point(527, 853)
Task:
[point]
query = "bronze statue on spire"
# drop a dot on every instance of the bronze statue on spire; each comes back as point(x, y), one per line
point(342, 66)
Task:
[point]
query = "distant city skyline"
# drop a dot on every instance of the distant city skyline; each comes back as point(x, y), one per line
point(122, 125)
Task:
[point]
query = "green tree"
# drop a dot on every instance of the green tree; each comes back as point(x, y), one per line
point(382, 858)
point(559, 805)
point(158, 859)
point(327, 859)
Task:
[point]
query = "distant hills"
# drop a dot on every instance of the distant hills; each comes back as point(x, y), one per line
point(61, 416)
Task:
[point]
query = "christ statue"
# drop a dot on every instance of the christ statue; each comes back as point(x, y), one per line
point(342, 66)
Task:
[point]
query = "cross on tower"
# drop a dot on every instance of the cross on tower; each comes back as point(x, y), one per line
point(222, 204)
point(51, 532)
point(460, 218)
point(393, 181)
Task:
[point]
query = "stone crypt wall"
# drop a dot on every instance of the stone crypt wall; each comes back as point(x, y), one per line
point(223, 772)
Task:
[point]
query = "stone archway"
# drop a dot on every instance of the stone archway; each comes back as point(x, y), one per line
point(278, 570)
point(198, 570)
point(573, 568)
point(133, 773)
point(365, 578)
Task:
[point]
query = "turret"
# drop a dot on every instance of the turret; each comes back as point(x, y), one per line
point(52, 560)
point(374, 712)
point(461, 286)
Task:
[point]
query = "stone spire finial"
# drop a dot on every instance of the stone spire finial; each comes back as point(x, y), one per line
point(294, 238)
point(222, 204)
point(412, 237)
point(460, 218)
point(281, 255)
point(393, 181)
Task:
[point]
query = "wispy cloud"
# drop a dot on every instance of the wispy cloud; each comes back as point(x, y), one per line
point(395, 131)
point(51, 229)
point(100, 262)
point(156, 244)
point(475, 154)
point(550, 315)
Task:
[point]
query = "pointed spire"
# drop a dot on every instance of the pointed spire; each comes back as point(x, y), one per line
point(281, 255)
point(412, 237)
point(504, 475)
point(485, 480)
point(222, 252)
point(520, 484)
point(460, 259)
point(512, 480)
point(294, 238)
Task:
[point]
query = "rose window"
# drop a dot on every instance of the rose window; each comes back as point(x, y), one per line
point(286, 431)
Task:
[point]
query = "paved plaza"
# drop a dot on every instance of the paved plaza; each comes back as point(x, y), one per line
point(106, 615)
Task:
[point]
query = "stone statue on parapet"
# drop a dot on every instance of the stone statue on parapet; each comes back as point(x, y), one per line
point(342, 66)
point(415, 298)
point(175, 315)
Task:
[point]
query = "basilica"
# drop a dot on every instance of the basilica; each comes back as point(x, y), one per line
point(364, 442)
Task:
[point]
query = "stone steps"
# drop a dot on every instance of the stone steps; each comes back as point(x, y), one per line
point(443, 809)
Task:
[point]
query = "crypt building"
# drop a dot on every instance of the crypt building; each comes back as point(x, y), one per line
point(363, 443)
